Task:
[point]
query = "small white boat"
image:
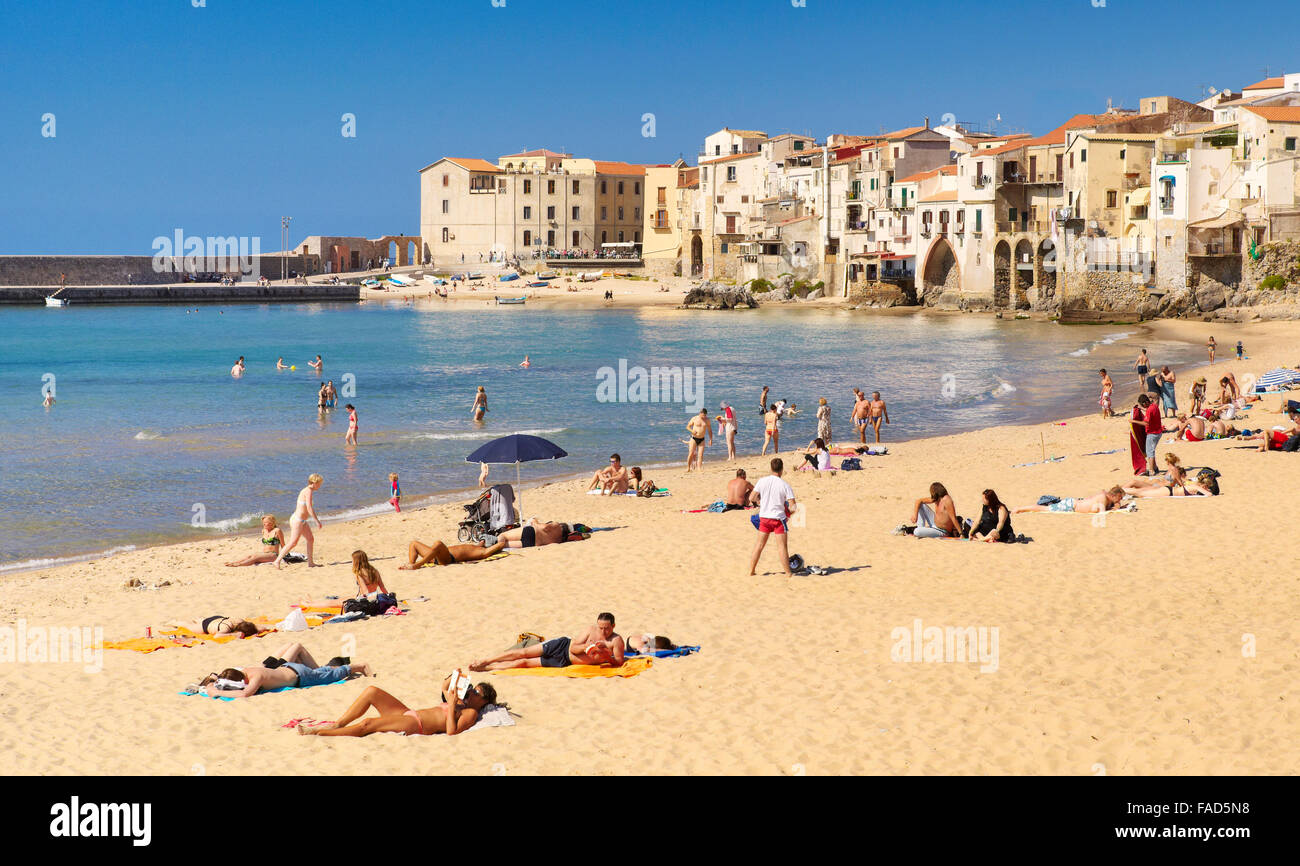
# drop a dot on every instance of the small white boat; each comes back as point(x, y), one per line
point(547, 275)
point(436, 281)
point(519, 300)
point(370, 283)
point(401, 281)
point(52, 301)
point(589, 276)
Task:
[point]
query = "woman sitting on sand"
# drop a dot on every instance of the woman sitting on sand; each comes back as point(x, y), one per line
point(272, 541)
point(816, 455)
point(368, 579)
point(220, 625)
point(1095, 504)
point(419, 554)
point(995, 522)
point(1164, 478)
point(1179, 485)
point(455, 715)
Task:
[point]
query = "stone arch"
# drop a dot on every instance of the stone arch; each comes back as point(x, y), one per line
point(394, 250)
point(1024, 267)
point(1047, 267)
point(401, 248)
point(1002, 275)
point(697, 255)
point(942, 273)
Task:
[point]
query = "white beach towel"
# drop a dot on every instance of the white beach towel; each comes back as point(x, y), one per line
point(493, 716)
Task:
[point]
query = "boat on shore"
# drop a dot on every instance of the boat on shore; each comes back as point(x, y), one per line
point(500, 300)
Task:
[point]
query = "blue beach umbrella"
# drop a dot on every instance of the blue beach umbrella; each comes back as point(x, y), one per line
point(517, 448)
point(1278, 376)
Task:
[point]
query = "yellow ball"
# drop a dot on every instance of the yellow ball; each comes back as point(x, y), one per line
point(293, 366)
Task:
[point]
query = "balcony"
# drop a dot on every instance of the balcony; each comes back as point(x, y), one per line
point(856, 225)
point(1166, 203)
point(926, 233)
point(981, 181)
point(961, 228)
point(1042, 177)
point(1171, 158)
point(853, 195)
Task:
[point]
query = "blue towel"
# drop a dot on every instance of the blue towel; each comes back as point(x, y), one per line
point(264, 692)
point(665, 654)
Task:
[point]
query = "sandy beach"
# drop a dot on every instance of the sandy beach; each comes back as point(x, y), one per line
point(1162, 641)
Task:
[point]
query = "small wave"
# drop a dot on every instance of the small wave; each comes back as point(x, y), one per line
point(148, 435)
point(484, 434)
point(231, 524)
point(1108, 340)
point(29, 564)
point(363, 511)
point(1079, 353)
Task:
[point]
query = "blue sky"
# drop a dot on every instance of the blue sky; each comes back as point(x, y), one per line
point(219, 120)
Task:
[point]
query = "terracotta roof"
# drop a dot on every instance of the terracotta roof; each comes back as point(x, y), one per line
point(947, 195)
point(472, 164)
point(1277, 113)
point(730, 157)
point(943, 169)
point(1056, 136)
point(689, 178)
point(617, 167)
point(540, 152)
point(1267, 84)
point(904, 133)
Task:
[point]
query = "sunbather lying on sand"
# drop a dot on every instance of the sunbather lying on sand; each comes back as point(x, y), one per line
point(1161, 480)
point(220, 625)
point(1095, 504)
point(293, 666)
point(419, 554)
point(535, 534)
point(1178, 484)
point(455, 715)
point(599, 644)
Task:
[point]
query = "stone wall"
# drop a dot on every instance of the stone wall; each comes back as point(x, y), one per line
point(121, 270)
point(1281, 258)
point(187, 293)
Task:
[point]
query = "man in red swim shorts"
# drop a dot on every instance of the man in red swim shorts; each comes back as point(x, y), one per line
point(775, 501)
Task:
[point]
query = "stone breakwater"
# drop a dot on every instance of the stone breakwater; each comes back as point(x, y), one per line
point(186, 293)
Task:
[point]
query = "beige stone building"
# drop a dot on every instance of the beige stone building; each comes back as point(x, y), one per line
point(661, 247)
point(525, 204)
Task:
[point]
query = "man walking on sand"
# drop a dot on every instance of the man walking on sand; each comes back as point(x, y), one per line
point(775, 501)
point(698, 427)
point(861, 409)
point(878, 413)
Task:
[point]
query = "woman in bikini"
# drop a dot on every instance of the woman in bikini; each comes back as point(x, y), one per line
point(220, 625)
point(304, 511)
point(771, 432)
point(272, 541)
point(419, 554)
point(455, 715)
point(1179, 485)
point(480, 404)
point(1166, 477)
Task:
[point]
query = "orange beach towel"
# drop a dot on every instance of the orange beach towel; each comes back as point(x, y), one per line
point(630, 668)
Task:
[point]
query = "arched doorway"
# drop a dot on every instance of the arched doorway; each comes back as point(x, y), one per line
point(392, 252)
point(697, 256)
point(942, 273)
point(1046, 270)
point(1024, 272)
point(1002, 276)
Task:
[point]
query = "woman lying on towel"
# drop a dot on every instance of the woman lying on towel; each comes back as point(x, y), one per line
point(1095, 504)
point(220, 625)
point(455, 715)
point(1179, 485)
point(419, 554)
point(1163, 479)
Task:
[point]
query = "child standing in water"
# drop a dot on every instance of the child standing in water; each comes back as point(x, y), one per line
point(396, 501)
point(351, 437)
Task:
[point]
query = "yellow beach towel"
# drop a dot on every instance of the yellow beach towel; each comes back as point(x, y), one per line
point(630, 668)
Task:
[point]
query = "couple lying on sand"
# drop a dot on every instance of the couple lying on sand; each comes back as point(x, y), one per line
point(535, 534)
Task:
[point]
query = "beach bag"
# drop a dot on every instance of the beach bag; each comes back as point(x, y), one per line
point(527, 639)
point(851, 463)
point(295, 621)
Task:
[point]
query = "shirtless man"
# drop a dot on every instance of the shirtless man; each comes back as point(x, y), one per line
point(419, 554)
point(1107, 394)
point(861, 410)
point(699, 427)
point(535, 534)
point(1142, 365)
point(738, 490)
point(762, 401)
point(613, 478)
point(597, 645)
point(296, 669)
point(878, 413)
point(316, 365)
point(1095, 504)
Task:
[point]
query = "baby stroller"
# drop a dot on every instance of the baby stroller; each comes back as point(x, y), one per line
point(491, 514)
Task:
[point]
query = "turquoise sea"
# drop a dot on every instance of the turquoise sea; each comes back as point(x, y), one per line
point(150, 434)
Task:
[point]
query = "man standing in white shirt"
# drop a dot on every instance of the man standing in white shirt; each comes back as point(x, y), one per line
point(775, 501)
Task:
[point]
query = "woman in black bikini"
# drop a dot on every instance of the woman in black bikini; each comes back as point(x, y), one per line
point(221, 625)
point(272, 541)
